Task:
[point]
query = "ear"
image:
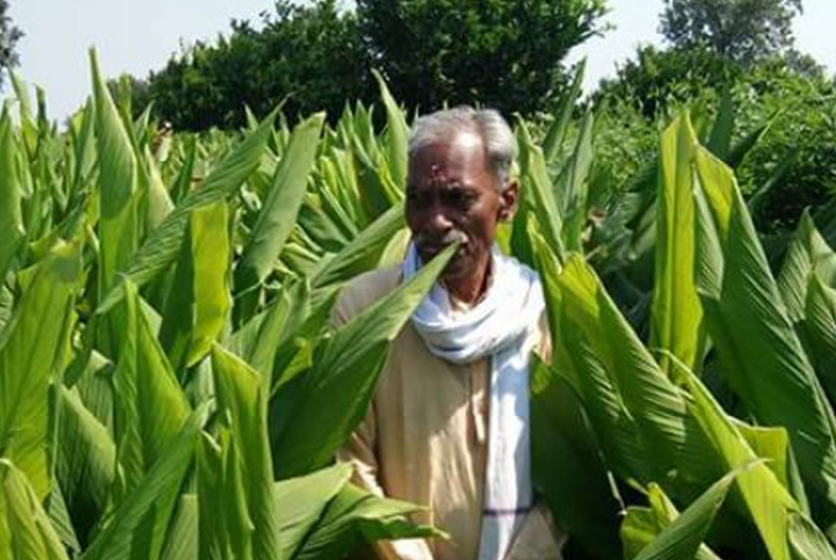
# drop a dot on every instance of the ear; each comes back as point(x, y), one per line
point(508, 200)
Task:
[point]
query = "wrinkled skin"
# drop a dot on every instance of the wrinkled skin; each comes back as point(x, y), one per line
point(452, 194)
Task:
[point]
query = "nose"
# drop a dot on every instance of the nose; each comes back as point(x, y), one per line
point(437, 222)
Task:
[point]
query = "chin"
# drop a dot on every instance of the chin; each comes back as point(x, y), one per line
point(458, 267)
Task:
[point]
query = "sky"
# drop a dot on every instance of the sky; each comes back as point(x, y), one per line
point(137, 37)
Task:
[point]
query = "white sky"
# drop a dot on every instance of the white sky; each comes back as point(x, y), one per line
point(136, 37)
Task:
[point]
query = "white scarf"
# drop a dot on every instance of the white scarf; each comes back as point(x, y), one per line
point(499, 328)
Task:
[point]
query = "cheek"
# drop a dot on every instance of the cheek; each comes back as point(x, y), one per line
point(481, 229)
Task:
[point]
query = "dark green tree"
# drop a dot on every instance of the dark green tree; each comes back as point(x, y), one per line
point(494, 52)
point(9, 36)
point(743, 30)
point(310, 56)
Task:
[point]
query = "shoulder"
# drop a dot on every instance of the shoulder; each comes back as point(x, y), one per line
point(363, 291)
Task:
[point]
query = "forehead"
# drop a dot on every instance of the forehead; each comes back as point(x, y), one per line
point(460, 158)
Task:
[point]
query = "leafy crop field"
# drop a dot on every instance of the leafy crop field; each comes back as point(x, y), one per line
point(170, 387)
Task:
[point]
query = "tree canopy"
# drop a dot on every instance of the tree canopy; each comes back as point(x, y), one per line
point(316, 56)
point(743, 30)
point(9, 36)
point(309, 56)
point(503, 54)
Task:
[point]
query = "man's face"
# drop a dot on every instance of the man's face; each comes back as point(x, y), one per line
point(452, 195)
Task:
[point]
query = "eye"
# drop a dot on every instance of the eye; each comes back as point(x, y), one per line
point(461, 199)
point(415, 199)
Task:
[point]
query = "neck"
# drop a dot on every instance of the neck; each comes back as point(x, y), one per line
point(469, 287)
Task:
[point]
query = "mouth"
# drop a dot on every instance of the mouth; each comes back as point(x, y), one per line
point(429, 249)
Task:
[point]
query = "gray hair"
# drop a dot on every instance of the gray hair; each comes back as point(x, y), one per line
point(497, 138)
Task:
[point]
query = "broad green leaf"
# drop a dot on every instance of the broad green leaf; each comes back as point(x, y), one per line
point(159, 204)
point(556, 133)
point(355, 516)
point(807, 541)
point(225, 528)
point(181, 543)
point(126, 535)
point(301, 502)
point(397, 135)
point(573, 186)
point(25, 530)
point(773, 445)
point(161, 247)
point(151, 412)
point(762, 357)
point(28, 128)
point(766, 499)
point(85, 463)
point(541, 192)
point(722, 130)
point(59, 517)
point(363, 252)
point(11, 221)
point(682, 535)
point(820, 329)
point(258, 340)
point(211, 258)
point(345, 370)
point(119, 220)
point(243, 394)
point(636, 410)
point(676, 316)
point(807, 253)
point(281, 206)
point(30, 345)
point(151, 409)
point(118, 234)
point(564, 448)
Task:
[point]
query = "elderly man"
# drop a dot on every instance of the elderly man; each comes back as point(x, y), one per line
point(448, 427)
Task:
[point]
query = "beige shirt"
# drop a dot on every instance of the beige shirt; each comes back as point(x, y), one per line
point(424, 439)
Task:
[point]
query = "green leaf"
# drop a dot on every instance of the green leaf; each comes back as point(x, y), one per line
point(807, 253)
point(151, 409)
point(564, 447)
point(541, 192)
point(126, 535)
point(820, 328)
point(301, 502)
point(682, 536)
point(556, 133)
point(719, 141)
point(161, 246)
point(355, 516)
point(762, 357)
point(117, 180)
point(766, 499)
point(159, 203)
point(85, 463)
point(363, 252)
point(225, 529)
point(11, 221)
point(635, 408)
point(573, 187)
point(211, 259)
point(807, 541)
point(29, 347)
point(340, 383)
point(181, 543)
point(281, 206)
point(243, 393)
point(676, 314)
point(25, 530)
point(151, 415)
point(397, 135)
